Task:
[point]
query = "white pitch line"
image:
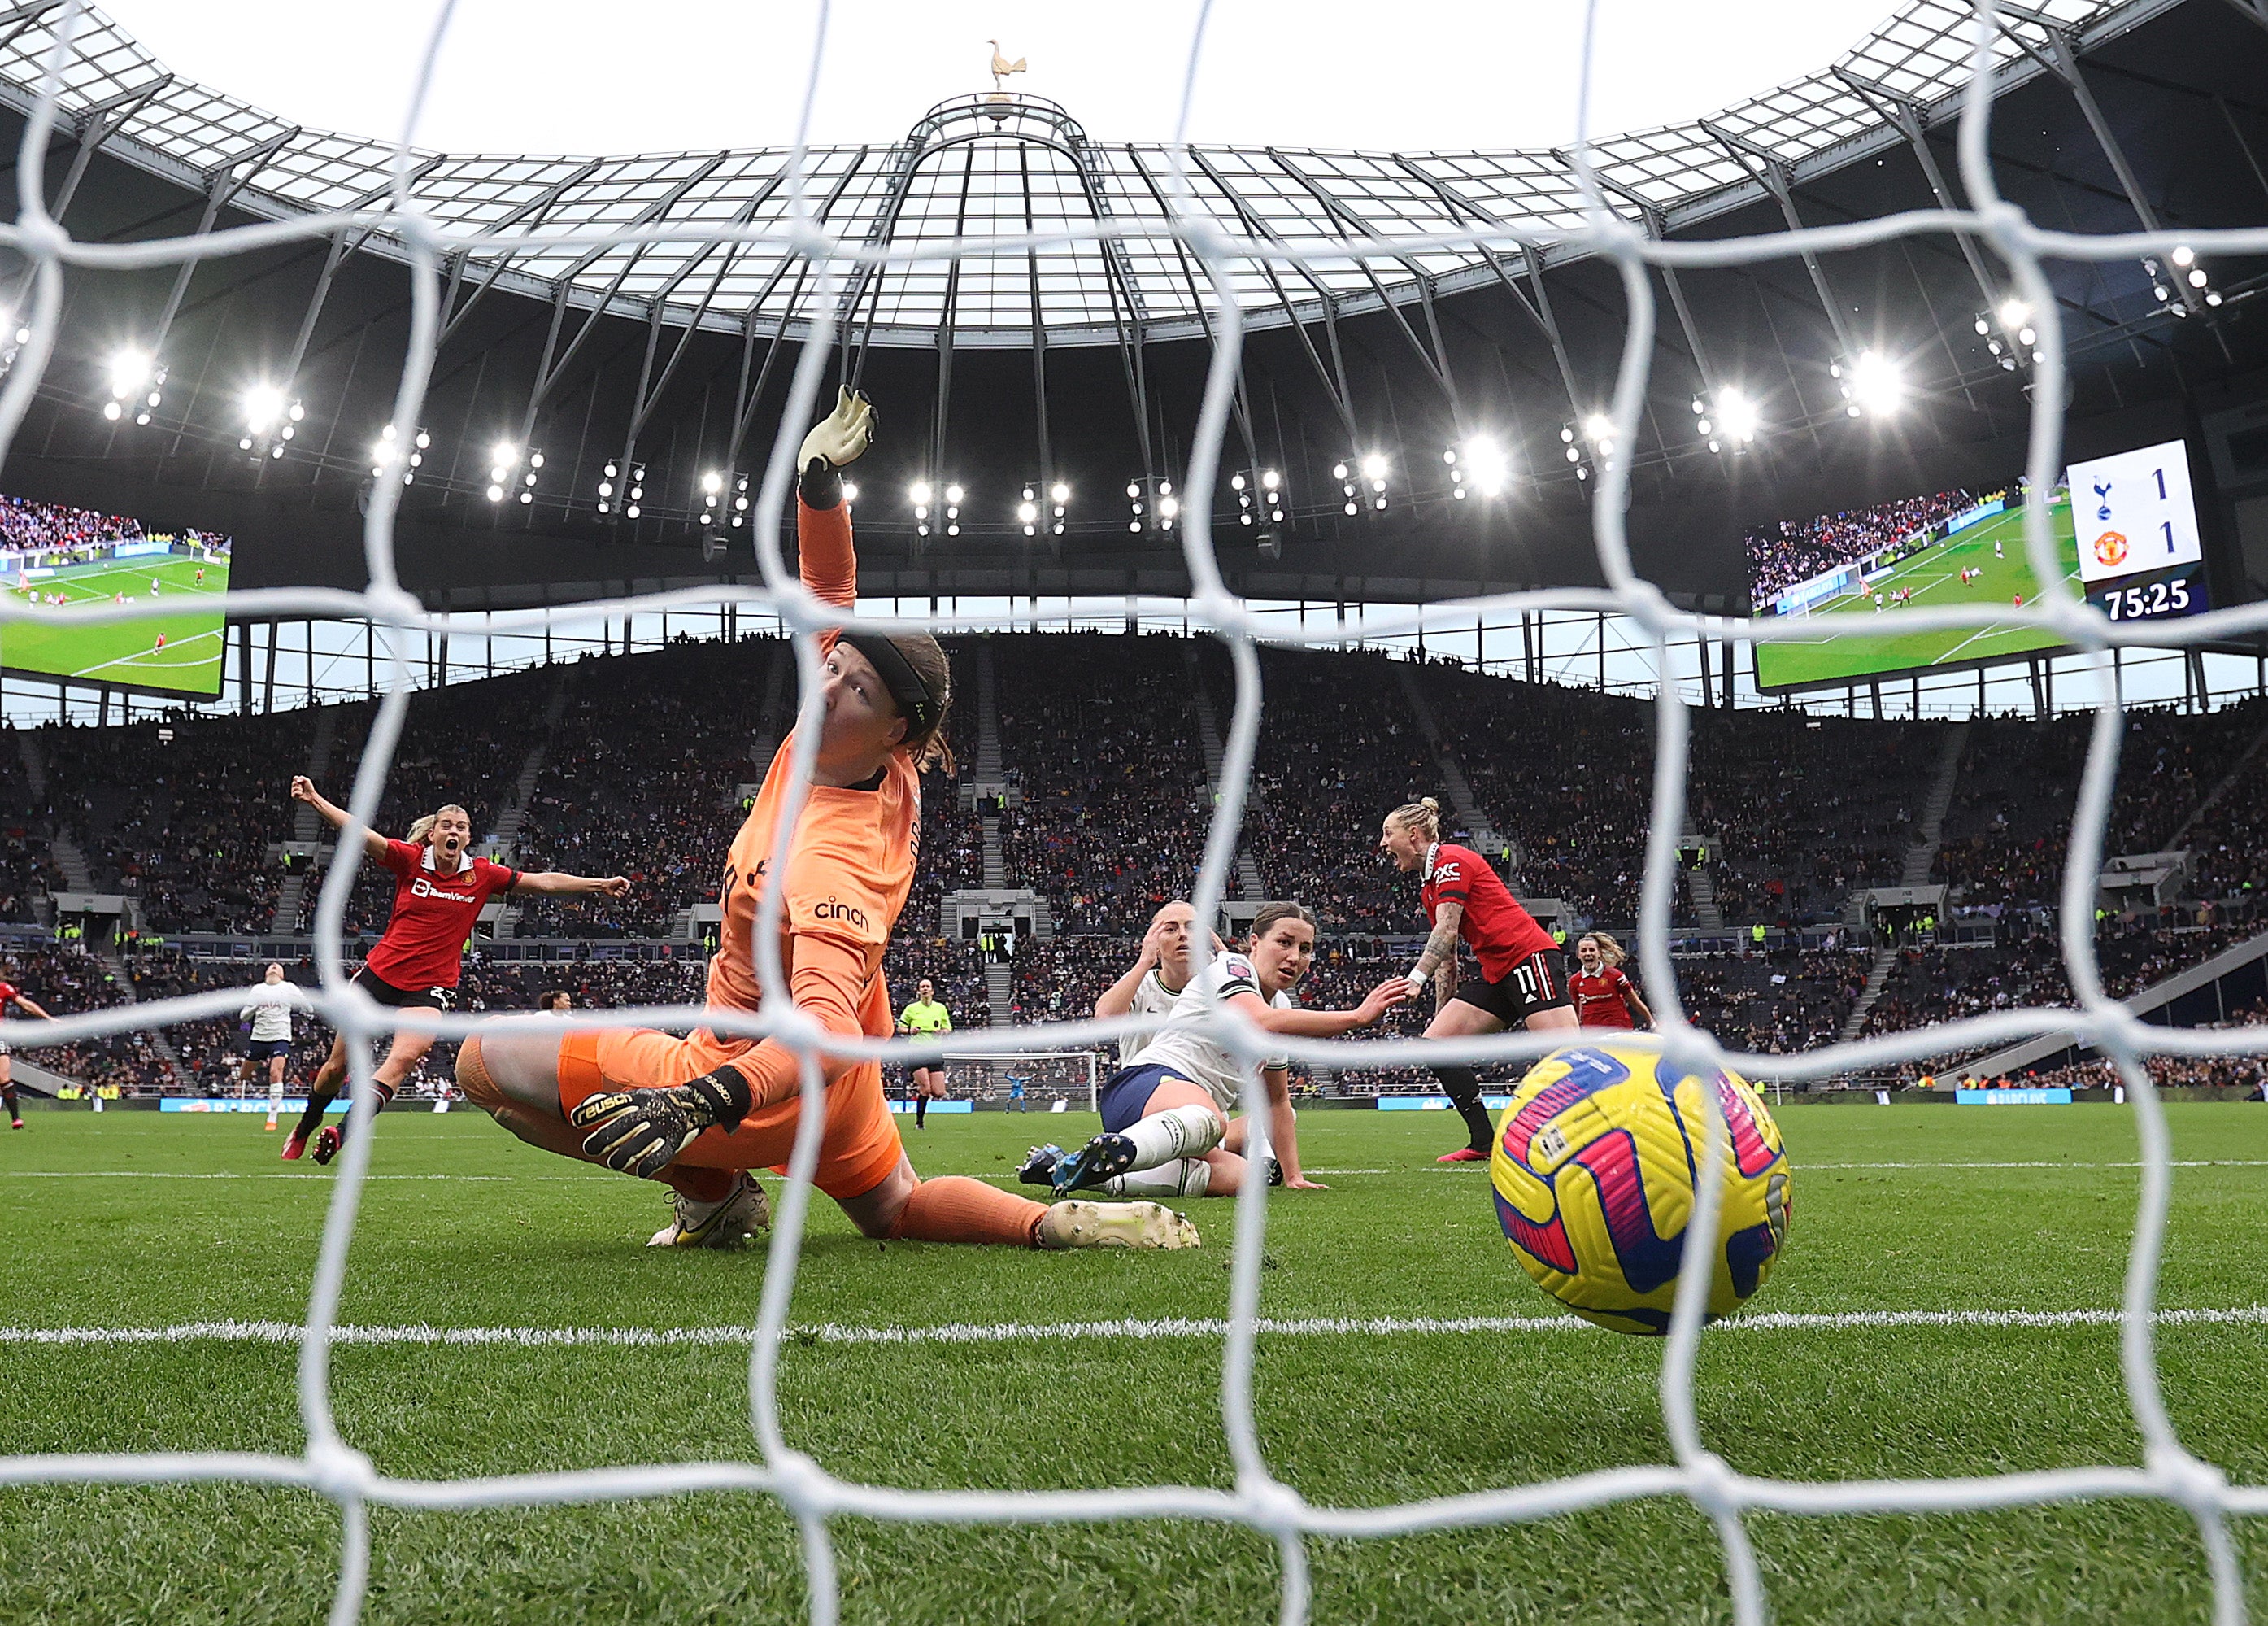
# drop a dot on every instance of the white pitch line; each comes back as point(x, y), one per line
point(421, 1335)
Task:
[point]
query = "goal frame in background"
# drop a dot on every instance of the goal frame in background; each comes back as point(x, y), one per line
point(1258, 1500)
point(999, 1066)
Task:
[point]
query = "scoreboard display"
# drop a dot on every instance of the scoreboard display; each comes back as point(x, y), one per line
point(2140, 557)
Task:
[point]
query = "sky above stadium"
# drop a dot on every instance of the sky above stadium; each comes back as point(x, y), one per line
point(579, 75)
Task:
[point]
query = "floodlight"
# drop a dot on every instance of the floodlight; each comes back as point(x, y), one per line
point(953, 494)
point(2197, 277)
point(1339, 471)
point(1373, 467)
point(128, 369)
point(2014, 312)
point(1599, 429)
point(496, 493)
point(712, 483)
point(919, 492)
point(2185, 255)
point(1133, 488)
point(1168, 507)
point(1736, 415)
point(1878, 383)
point(1059, 492)
point(504, 453)
point(1270, 479)
point(1026, 514)
point(849, 490)
point(263, 404)
point(1486, 462)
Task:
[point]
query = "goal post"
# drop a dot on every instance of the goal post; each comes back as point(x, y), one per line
point(1046, 1076)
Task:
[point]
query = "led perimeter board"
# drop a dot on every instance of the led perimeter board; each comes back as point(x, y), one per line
point(2124, 528)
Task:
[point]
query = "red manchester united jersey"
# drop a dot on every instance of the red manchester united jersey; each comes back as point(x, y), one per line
point(1598, 1001)
point(1500, 931)
point(433, 914)
point(9, 994)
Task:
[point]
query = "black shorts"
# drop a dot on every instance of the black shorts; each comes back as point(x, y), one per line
point(267, 1049)
point(404, 999)
point(1531, 986)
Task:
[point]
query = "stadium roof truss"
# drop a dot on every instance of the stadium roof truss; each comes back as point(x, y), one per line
point(988, 165)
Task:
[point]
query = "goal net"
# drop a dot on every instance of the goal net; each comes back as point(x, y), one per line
point(1044, 1080)
point(1253, 1496)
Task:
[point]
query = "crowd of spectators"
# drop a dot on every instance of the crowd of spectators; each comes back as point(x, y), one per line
point(1798, 550)
point(66, 981)
point(28, 527)
point(1100, 736)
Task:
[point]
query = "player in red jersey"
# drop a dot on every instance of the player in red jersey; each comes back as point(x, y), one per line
point(440, 890)
point(698, 1113)
point(1519, 975)
point(1604, 997)
point(13, 996)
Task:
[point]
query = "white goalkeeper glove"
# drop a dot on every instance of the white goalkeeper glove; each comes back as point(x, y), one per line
point(842, 436)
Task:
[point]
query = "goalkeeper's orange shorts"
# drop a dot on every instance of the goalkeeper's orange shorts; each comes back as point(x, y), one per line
point(860, 1145)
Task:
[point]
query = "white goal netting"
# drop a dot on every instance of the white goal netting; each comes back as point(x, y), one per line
point(332, 1467)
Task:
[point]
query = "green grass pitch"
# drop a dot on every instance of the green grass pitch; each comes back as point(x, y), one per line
point(126, 652)
point(1845, 652)
point(136, 1220)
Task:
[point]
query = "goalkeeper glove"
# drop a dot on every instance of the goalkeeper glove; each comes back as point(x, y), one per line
point(834, 442)
point(640, 1132)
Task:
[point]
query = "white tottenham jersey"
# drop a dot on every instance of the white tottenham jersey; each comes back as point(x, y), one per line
point(269, 1023)
point(1194, 1057)
point(1151, 998)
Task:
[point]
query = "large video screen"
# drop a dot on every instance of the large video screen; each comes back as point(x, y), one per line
point(69, 559)
point(2125, 528)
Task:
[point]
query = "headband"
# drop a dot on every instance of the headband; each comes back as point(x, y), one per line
point(916, 704)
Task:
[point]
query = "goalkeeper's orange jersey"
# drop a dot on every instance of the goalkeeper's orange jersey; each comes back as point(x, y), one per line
point(851, 860)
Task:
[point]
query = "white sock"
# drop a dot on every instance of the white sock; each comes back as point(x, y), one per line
point(1183, 1176)
point(1177, 1132)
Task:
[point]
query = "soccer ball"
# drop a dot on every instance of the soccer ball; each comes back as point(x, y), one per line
point(1593, 1171)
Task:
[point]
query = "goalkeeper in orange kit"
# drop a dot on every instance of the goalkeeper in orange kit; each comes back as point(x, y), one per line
point(699, 1112)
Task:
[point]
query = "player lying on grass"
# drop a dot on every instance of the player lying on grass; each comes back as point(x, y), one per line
point(1166, 1125)
point(439, 892)
point(698, 1113)
point(11, 995)
point(1464, 898)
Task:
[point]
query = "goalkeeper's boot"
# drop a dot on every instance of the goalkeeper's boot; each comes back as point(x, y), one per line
point(1093, 1164)
point(732, 1221)
point(1039, 1166)
point(293, 1146)
point(328, 1142)
point(1146, 1225)
point(1464, 1154)
point(1275, 1173)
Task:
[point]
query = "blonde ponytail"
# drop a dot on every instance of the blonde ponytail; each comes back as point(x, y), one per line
point(420, 832)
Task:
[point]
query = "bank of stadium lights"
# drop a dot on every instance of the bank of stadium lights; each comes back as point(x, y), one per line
point(1873, 385)
point(614, 490)
point(2168, 290)
point(2008, 334)
point(919, 494)
point(1259, 497)
point(388, 453)
point(270, 420)
point(1362, 482)
point(1732, 425)
point(1032, 513)
point(506, 478)
point(1152, 504)
point(1479, 463)
point(137, 383)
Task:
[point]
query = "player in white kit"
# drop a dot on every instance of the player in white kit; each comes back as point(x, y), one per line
point(269, 1042)
point(1166, 1123)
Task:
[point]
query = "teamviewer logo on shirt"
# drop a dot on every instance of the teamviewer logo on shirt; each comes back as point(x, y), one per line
point(423, 887)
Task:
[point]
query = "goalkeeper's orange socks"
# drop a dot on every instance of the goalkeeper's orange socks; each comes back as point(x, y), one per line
point(955, 1209)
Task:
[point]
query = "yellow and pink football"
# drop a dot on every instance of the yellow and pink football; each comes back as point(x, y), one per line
point(1593, 1171)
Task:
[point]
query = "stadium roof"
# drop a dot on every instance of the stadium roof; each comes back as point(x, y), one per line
point(1015, 165)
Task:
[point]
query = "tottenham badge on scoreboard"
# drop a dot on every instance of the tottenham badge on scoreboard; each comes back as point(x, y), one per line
point(2135, 521)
